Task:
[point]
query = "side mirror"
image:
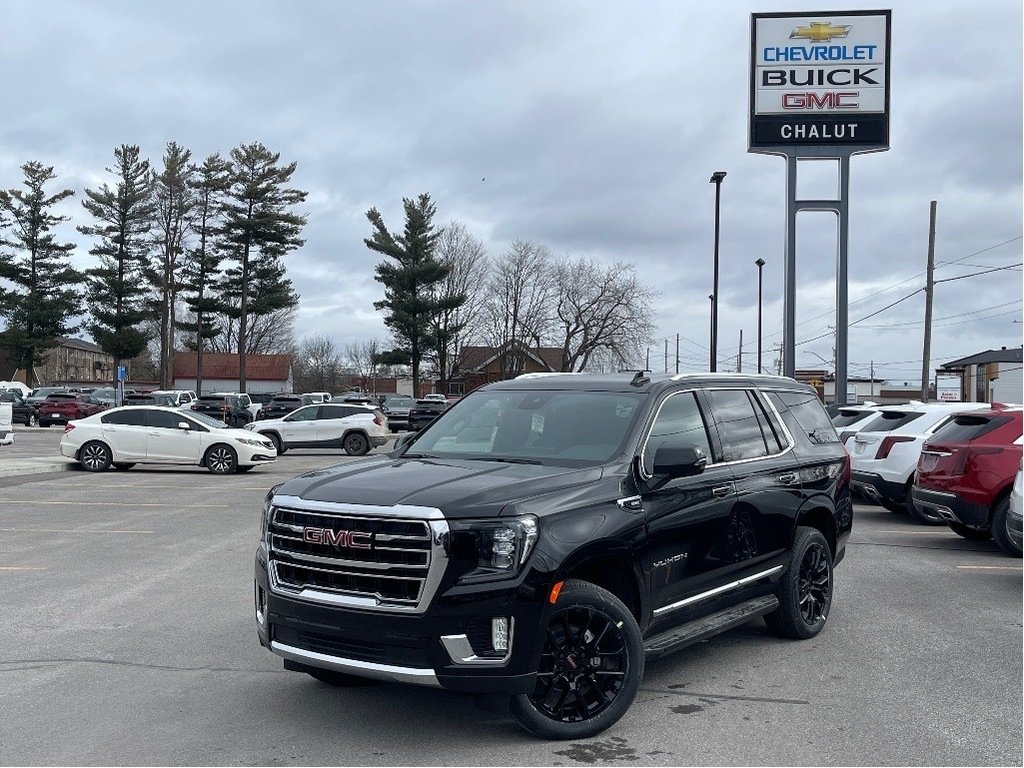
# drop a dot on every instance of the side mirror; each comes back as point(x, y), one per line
point(673, 460)
point(184, 425)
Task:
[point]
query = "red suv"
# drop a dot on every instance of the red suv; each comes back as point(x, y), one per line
point(966, 471)
point(62, 407)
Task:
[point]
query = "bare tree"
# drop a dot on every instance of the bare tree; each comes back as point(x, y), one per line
point(454, 324)
point(269, 334)
point(520, 295)
point(317, 365)
point(600, 307)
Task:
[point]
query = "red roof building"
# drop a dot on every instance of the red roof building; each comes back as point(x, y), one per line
point(263, 373)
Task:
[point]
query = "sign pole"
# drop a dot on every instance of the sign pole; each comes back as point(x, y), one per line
point(842, 284)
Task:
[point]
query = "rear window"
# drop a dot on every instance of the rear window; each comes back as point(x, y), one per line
point(846, 418)
point(810, 415)
point(964, 428)
point(887, 421)
point(62, 396)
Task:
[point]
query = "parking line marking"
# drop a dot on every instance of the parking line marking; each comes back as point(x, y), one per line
point(989, 567)
point(21, 568)
point(918, 533)
point(115, 504)
point(63, 530)
point(146, 486)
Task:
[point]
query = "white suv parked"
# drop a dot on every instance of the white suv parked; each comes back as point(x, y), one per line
point(355, 428)
point(182, 398)
point(886, 450)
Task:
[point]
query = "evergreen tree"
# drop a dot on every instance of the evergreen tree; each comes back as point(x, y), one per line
point(116, 291)
point(202, 270)
point(173, 198)
point(409, 300)
point(43, 302)
point(259, 229)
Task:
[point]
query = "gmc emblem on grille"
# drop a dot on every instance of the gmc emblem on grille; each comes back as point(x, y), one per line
point(350, 539)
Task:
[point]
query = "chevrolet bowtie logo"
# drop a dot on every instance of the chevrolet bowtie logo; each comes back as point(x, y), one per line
point(821, 31)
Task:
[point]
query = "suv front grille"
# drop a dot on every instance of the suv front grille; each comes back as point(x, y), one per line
point(343, 556)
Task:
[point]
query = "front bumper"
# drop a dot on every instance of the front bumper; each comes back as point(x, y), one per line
point(950, 507)
point(422, 649)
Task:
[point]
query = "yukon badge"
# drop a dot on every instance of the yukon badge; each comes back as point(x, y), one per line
point(349, 539)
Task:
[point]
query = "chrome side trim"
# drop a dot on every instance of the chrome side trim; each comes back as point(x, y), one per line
point(356, 667)
point(461, 652)
point(717, 590)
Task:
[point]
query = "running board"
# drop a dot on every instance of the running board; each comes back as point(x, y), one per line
point(701, 629)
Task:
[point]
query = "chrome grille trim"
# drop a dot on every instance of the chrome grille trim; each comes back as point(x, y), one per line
point(424, 576)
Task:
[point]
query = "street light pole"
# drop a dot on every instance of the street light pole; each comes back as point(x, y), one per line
point(760, 268)
point(716, 179)
point(711, 296)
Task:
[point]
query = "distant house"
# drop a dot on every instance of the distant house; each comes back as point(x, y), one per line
point(992, 376)
point(477, 366)
point(263, 373)
point(73, 362)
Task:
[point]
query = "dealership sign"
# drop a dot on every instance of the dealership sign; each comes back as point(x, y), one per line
point(819, 79)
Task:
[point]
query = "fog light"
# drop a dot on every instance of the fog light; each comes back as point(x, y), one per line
point(499, 633)
point(261, 605)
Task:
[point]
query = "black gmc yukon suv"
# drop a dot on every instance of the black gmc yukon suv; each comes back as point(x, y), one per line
point(546, 535)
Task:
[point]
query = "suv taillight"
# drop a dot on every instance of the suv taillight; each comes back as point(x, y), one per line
point(888, 443)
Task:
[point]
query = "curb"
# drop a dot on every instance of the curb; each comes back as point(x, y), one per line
point(22, 467)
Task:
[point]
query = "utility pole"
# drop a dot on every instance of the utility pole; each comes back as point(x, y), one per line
point(666, 355)
point(677, 353)
point(647, 365)
point(739, 355)
point(929, 290)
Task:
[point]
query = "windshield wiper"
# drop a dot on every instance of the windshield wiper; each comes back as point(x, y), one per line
point(417, 456)
point(506, 460)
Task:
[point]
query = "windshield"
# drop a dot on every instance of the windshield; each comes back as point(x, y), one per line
point(563, 427)
point(208, 421)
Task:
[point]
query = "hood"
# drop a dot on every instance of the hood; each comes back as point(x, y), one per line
point(460, 488)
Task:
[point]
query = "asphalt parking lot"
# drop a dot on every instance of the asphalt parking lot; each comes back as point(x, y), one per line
point(130, 640)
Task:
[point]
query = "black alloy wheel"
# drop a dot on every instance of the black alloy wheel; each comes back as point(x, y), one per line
point(221, 460)
point(590, 667)
point(94, 456)
point(355, 444)
point(805, 591)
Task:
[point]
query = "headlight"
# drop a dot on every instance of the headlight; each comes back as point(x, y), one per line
point(251, 441)
point(493, 549)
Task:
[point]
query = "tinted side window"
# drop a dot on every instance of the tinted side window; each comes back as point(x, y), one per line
point(810, 415)
point(162, 419)
point(963, 429)
point(133, 417)
point(679, 419)
point(774, 437)
point(336, 411)
point(846, 418)
point(738, 425)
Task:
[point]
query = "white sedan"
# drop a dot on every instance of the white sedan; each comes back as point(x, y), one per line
point(352, 427)
point(123, 437)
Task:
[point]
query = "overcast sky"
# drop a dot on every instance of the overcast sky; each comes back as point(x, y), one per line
point(590, 127)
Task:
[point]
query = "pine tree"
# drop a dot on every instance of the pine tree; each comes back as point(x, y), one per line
point(43, 302)
point(116, 291)
point(173, 198)
point(408, 298)
point(202, 270)
point(259, 229)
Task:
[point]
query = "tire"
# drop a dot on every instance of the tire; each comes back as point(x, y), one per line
point(999, 532)
point(969, 533)
point(32, 421)
point(95, 456)
point(276, 440)
point(124, 465)
point(575, 698)
point(221, 459)
point(245, 469)
point(355, 444)
point(805, 594)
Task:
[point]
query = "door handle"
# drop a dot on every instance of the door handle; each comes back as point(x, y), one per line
point(721, 491)
point(788, 479)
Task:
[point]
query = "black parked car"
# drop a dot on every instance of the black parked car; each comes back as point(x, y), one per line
point(281, 405)
point(231, 409)
point(424, 412)
point(547, 537)
point(23, 413)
